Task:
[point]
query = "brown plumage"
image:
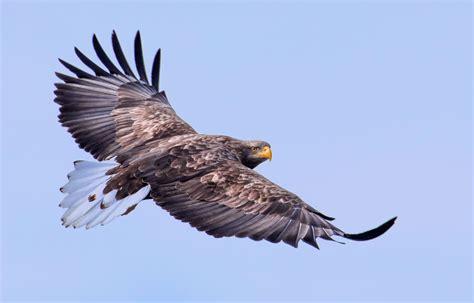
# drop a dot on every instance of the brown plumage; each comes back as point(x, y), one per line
point(207, 181)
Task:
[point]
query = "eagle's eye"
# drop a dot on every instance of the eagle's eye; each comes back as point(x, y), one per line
point(254, 148)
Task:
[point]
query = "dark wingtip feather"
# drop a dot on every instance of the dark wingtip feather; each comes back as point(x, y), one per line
point(319, 213)
point(155, 72)
point(373, 233)
point(310, 239)
point(139, 62)
point(61, 76)
point(77, 71)
point(89, 63)
point(120, 55)
point(326, 217)
point(103, 57)
point(312, 243)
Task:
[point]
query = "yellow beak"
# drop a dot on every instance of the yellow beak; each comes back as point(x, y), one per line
point(266, 153)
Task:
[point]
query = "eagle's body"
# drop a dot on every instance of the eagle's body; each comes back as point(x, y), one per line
point(205, 180)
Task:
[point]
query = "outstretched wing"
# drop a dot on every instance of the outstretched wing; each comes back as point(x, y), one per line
point(113, 110)
point(229, 199)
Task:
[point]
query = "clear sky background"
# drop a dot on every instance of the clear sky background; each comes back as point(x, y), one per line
point(367, 106)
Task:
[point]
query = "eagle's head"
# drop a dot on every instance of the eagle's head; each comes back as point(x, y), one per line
point(256, 152)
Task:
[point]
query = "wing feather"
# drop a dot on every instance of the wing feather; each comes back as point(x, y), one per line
point(89, 63)
point(233, 200)
point(120, 56)
point(229, 199)
point(139, 58)
point(112, 112)
point(104, 58)
point(155, 72)
point(77, 71)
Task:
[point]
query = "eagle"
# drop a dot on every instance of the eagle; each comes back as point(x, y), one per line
point(146, 152)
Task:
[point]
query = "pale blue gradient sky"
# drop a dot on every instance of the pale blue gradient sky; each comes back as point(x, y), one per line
point(368, 109)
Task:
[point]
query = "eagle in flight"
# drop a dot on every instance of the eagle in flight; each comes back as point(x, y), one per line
point(208, 181)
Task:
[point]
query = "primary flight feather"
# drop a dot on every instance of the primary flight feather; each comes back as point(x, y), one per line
point(205, 180)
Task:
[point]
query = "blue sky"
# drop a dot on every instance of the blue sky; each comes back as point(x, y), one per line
point(367, 106)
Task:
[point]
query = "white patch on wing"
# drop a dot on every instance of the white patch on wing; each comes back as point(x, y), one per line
point(85, 201)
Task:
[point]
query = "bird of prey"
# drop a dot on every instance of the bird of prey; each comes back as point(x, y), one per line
point(145, 151)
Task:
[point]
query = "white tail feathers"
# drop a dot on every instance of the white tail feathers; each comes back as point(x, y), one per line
point(86, 203)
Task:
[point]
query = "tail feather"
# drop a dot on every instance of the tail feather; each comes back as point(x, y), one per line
point(87, 204)
point(123, 205)
point(93, 187)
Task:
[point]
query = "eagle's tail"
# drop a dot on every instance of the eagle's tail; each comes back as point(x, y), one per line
point(87, 204)
point(371, 234)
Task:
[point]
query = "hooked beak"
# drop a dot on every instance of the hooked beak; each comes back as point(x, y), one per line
point(266, 153)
